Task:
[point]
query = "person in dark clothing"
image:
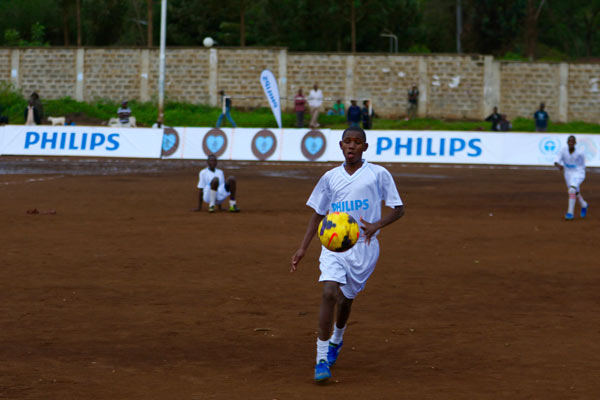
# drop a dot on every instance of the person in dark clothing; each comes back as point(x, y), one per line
point(541, 119)
point(354, 115)
point(32, 116)
point(494, 118)
point(367, 114)
point(413, 103)
point(37, 102)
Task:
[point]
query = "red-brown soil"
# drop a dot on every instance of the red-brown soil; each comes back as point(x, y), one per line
point(482, 290)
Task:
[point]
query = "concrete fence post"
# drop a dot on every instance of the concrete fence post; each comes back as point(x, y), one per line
point(282, 61)
point(15, 55)
point(423, 86)
point(213, 75)
point(79, 71)
point(491, 86)
point(144, 73)
point(563, 93)
point(349, 81)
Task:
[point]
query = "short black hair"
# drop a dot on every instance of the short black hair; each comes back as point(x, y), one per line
point(355, 129)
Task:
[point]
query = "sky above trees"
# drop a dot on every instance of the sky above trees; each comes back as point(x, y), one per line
point(534, 29)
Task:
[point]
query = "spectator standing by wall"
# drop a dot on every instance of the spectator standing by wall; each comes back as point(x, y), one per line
point(541, 119)
point(32, 117)
point(413, 103)
point(367, 115)
point(354, 115)
point(504, 125)
point(124, 112)
point(494, 118)
point(300, 108)
point(226, 105)
point(315, 100)
point(37, 102)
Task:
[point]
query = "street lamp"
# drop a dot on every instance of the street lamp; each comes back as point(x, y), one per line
point(393, 41)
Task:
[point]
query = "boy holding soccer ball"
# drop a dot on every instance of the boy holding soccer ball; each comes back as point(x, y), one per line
point(356, 182)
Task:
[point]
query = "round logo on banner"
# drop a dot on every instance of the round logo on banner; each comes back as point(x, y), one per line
point(170, 142)
point(549, 146)
point(214, 142)
point(313, 145)
point(264, 144)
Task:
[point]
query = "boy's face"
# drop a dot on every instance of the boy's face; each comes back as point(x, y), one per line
point(212, 162)
point(571, 143)
point(353, 144)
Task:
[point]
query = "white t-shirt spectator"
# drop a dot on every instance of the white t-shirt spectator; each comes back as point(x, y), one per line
point(315, 98)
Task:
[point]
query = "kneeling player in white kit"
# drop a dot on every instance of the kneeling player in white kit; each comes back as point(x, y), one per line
point(358, 188)
point(572, 162)
point(214, 189)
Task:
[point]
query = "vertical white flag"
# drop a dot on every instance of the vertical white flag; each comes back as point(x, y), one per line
point(269, 84)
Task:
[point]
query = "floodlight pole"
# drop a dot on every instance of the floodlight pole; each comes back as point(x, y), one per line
point(161, 62)
point(393, 41)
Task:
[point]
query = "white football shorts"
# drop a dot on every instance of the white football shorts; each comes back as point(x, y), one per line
point(574, 178)
point(350, 269)
point(222, 195)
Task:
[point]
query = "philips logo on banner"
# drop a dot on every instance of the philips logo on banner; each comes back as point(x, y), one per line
point(440, 147)
point(71, 141)
point(269, 85)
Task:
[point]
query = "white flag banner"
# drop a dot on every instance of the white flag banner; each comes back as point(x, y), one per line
point(269, 84)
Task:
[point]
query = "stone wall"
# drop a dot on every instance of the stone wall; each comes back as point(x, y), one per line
point(451, 86)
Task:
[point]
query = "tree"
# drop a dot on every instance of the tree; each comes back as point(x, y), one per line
point(534, 8)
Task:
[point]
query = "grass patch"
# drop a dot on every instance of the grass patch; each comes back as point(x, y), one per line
point(12, 105)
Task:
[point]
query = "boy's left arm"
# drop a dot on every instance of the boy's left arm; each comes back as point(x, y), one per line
point(369, 228)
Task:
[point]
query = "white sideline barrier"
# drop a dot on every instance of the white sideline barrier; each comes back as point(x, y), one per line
point(451, 147)
point(82, 141)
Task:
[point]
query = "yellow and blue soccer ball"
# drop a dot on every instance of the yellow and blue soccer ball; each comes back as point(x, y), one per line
point(338, 231)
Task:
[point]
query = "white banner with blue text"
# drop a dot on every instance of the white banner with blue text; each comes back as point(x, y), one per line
point(81, 141)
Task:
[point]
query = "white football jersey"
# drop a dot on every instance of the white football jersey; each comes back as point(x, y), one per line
point(206, 176)
point(573, 161)
point(359, 194)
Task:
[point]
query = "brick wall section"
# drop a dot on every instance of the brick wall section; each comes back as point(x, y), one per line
point(385, 80)
point(111, 74)
point(524, 86)
point(306, 69)
point(239, 74)
point(50, 72)
point(5, 65)
point(186, 75)
point(584, 92)
point(115, 73)
point(455, 86)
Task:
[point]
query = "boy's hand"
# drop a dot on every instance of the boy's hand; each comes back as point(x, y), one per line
point(296, 259)
point(368, 229)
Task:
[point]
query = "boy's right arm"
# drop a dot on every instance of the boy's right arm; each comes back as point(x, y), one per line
point(311, 229)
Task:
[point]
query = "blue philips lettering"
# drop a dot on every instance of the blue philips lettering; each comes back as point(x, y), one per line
point(31, 138)
point(442, 144)
point(419, 145)
point(456, 145)
point(51, 141)
point(112, 139)
point(365, 204)
point(381, 147)
point(357, 204)
point(72, 142)
point(477, 149)
point(429, 146)
point(407, 146)
point(83, 141)
point(96, 140)
point(63, 139)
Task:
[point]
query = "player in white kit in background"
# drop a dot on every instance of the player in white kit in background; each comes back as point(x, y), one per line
point(214, 189)
point(572, 162)
point(358, 188)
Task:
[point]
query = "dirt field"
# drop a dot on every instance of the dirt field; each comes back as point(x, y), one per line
point(482, 290)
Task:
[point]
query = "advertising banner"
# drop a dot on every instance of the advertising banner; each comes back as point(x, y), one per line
point(82, 141)
point(271, 89)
